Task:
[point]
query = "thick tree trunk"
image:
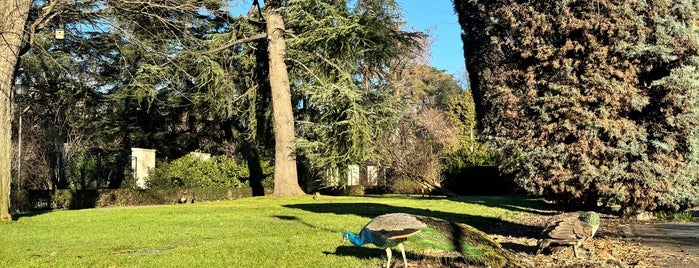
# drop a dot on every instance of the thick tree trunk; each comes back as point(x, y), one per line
point(285, 174)
point(13, 16)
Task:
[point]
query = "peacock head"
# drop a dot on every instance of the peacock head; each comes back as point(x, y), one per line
point(352, 237)
point(591, 218)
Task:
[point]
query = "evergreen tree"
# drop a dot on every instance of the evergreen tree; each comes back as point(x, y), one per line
point(337, 58)
point(590, 101)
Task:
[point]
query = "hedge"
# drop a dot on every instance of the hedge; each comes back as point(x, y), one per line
point(37, 200)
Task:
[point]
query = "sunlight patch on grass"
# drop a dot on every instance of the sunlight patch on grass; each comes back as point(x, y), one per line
point(259, 231)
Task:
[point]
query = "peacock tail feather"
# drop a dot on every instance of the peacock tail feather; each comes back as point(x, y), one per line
point(449, 240)
point(433, 238)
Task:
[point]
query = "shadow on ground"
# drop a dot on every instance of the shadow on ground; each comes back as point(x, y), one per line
point(16, 217)
point(378, 253)
point(488, 225)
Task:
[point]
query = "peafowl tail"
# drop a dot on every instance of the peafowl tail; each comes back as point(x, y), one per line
point(448, 241)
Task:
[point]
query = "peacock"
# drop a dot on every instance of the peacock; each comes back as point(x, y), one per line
point(573, 228)
point(432, 237)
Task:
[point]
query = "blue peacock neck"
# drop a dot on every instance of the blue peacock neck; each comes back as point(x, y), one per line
point(359, 240)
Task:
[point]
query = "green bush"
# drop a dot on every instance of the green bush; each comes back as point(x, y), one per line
point(191, 172)
point(405, 186)
point(82, 171)
point(683, 216)
point(354, 190)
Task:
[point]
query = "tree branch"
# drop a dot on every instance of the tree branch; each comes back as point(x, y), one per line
point(329, 62)
point(235, 42)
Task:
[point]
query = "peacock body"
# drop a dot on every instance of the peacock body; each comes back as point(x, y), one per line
point(569, 229)
point(431, 237)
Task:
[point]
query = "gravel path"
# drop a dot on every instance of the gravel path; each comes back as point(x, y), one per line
point(617, 243)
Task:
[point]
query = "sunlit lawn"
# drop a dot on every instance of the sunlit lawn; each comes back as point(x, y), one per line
point(251, 232)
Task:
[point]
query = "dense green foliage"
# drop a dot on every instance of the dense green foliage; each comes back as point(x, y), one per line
point(461, 113)
point(590, 102)
point(187, 76)
point(192, 172)
point(339, 58)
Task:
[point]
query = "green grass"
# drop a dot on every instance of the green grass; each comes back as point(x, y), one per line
point(251, 232)
point(683, 216)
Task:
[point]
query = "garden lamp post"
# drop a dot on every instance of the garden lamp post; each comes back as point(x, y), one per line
point(20, 90)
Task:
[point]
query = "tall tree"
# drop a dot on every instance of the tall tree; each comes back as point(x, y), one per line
point(285, 174)
point(14, 16)
point(590, 102)
point(341, 57)
point(332, 53)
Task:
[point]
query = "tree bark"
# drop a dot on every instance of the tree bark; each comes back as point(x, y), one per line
point(13, 14)
point(285, 174)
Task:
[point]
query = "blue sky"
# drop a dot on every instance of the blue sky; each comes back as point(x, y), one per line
point(438, 18)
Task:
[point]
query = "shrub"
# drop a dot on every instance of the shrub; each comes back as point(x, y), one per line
point(354, 190)
point(82, 171)
point(405, 186)
point(191, 172)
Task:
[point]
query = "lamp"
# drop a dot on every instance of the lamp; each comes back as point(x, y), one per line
point(21, 89)
point(60, 34)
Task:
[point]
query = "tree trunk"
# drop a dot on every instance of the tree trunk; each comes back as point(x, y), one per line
point(285, 174)
point(13, 14)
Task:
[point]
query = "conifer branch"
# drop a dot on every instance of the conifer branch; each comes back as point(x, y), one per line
point(329, 62)
point(309, 71)
point(235, 42)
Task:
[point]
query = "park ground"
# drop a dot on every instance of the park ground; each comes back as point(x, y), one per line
point(618, 243)
point(302, 232)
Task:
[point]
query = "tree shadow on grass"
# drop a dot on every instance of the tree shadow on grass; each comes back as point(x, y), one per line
point(509, 202)
point(513, 203)
point(489, 225)
point(16, 217)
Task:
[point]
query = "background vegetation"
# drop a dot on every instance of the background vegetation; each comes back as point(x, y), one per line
point(189, 76)
point(593, 103)
point(192, 172)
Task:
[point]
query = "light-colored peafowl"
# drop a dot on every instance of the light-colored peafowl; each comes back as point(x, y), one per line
point(432, 237)
point(567, 229)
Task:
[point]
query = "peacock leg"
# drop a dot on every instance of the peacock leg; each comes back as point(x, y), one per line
point(544, 243)
point(388, 255)
point(575, 250)
point(402, 252)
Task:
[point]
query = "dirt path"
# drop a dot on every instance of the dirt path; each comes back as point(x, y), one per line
point(676, 244)
point(617, 244)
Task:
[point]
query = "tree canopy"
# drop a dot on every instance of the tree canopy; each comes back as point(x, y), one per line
point(183, 75)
